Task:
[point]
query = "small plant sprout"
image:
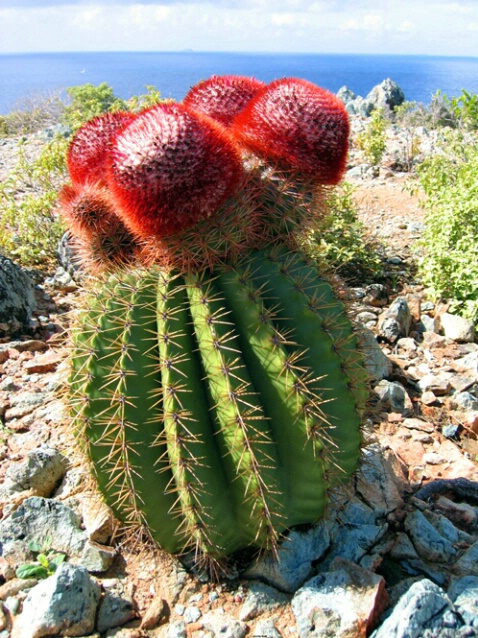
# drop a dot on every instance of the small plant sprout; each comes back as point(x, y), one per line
point(46, 561)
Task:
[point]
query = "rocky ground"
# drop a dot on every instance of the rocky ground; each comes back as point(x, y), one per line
point(397, 554)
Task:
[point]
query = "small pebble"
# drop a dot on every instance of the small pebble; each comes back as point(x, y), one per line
point(12, 604)
point(451, 431)
point(192, 614)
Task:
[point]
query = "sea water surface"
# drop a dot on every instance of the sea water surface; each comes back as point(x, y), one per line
point(27, 76)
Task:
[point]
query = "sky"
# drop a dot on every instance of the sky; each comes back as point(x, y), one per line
point(426, 27)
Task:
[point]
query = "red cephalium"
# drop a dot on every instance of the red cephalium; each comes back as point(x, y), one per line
point(297, 125)
point(223, 97)
point(88, 152)
point(170, 168)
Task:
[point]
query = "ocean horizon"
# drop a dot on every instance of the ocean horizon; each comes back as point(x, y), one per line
point(28, 76)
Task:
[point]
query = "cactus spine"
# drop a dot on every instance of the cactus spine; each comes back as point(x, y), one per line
point(216, 384)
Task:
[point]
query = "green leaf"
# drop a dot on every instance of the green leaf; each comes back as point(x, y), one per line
point(35, 546)
point(56, 561)
point(31, 570)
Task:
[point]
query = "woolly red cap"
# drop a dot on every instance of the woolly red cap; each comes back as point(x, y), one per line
point(297, 125)
point(170, 168)
point(89, 149)
point(222, 97)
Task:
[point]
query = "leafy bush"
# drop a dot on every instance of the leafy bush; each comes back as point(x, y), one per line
point(373, 141)
point(87, 101)
point(440, 113)
point(148, 99)
point(450, 265)
point(29, 227)
point(465, 109)
point(341, 244)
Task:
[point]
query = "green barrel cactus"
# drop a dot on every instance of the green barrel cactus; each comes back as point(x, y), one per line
point(216, 383)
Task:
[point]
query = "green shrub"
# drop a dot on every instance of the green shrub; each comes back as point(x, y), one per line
point(148, 99)
point(29, 227)
point(465, 110)
point(409, 116)
point(87, 101)
point(450, 264)
point(372, 141)
point(440, 113)
point(46, 561)
point(342, 245)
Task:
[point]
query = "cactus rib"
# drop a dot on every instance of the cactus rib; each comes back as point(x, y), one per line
point(242, 429)
point(308, 303)
point(118, 395)
point(199, 482)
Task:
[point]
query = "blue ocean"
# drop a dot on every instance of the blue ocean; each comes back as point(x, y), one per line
point(45, 74)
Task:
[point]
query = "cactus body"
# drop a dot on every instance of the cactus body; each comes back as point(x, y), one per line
point(209, 401)
point(216, 383)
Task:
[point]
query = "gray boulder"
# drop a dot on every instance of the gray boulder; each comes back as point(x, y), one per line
point(51, 523)
point(40, 472)
point(223, 625)
point(430, 544)
point(295, 556)
point(346, 95)
point(117, 607)
point(418, 613)
point(457, 328)
point(62, 605)
point(359, 106)
point(386, 95)
point(17, 299)
point(261, 598)
point(394, 397)
point(464, 594)
point(396, 321)
point(38, 519)
point(376, 362)
point(343, 602)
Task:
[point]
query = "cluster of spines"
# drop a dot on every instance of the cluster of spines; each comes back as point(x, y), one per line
point(167, 428)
